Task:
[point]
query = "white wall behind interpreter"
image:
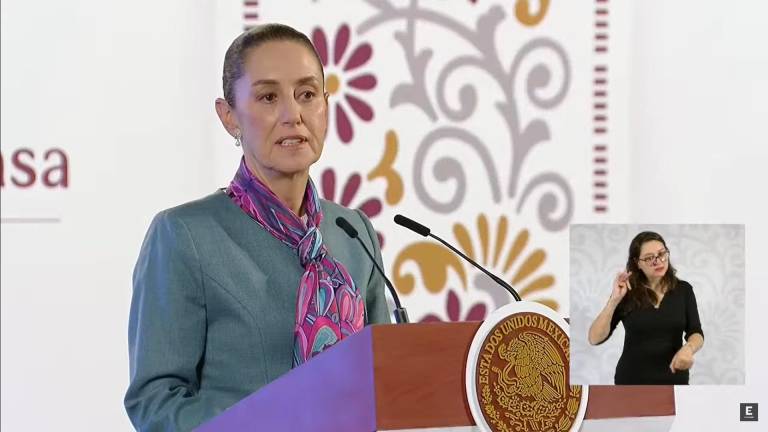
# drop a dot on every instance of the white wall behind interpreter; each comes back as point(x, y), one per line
point(698, 113)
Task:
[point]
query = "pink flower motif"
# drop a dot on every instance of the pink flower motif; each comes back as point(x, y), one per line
point(453, 308)
point(343, 65)
point(371, 207)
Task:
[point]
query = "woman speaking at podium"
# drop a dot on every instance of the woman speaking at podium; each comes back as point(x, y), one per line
point(657, 309)
point(233, 290)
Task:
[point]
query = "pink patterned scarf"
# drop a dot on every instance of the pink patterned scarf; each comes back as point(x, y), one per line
point(329, 306)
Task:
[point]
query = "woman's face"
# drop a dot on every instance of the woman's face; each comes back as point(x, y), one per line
point(281, 109)
point(654, 259)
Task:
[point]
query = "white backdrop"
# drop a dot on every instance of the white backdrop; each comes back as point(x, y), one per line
point(698, 104)
point(126, 90)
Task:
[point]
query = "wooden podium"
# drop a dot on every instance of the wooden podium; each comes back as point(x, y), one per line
point(394, 377)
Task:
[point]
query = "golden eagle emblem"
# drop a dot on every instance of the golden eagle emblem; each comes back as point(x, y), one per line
point(522, 376)
point(538, 369)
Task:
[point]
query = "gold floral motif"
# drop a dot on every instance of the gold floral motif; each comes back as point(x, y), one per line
point(517, 268)
point(523, 12)
point(433, 261)
point(510, 260)
point(386, 170)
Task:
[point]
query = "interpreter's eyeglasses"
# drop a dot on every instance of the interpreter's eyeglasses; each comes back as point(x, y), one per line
point(651, 260)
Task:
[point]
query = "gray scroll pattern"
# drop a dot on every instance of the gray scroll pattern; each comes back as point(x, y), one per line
point(710, 257)
point(555, 207)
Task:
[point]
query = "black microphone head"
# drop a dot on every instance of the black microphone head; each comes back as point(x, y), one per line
point(411, 225)
point(346, 226)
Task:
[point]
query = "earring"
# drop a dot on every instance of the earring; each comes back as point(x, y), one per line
point(238, 139)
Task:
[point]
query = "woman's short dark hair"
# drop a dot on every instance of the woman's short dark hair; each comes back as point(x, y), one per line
point(641, 293)
point(234, 59)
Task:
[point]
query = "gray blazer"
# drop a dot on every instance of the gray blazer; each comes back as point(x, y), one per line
point(213, 308)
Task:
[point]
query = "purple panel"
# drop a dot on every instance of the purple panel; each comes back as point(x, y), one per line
point(332, 392)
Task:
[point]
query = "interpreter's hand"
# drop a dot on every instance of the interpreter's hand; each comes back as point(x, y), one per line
point(620, 286)
point(683, 359)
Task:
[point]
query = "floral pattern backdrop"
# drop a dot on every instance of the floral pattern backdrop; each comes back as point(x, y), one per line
point(475, 118)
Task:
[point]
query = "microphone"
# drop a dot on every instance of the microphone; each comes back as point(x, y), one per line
point(401, 315)
point(424, 231)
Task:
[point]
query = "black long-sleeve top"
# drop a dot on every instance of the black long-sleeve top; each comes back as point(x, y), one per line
point(652, 337)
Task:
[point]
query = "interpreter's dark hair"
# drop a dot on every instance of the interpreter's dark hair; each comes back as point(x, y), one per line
point(234, 59)
point(641, 294)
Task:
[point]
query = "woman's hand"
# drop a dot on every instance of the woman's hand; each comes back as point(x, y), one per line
point(601, 326)
point(683, 359)
point(620, 287)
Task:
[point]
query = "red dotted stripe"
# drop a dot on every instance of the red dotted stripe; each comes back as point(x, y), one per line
point(250, 14)
point(600, 108)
